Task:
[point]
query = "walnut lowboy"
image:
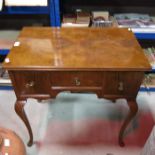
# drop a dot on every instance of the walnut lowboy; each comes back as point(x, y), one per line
point(108, 62)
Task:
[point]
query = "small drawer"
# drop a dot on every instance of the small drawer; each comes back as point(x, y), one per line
point(77, 79)
point(123, 83)
point(31, 82)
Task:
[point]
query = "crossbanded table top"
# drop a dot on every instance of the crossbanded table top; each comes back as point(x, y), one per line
point(76, 49)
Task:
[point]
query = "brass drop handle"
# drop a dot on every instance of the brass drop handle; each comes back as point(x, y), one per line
point(77, 81)
point(30, 84)
point(120, 86)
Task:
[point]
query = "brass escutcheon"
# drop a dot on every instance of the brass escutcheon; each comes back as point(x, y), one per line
point(77, 81)
point(30, 84)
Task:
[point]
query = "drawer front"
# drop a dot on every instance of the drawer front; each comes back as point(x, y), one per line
point(76, 79)
point(122, 83)
point(105, 84)
point(31, 82)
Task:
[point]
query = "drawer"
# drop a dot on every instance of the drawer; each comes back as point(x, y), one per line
point(77, 79)
point(31, 82)
point(122, 83)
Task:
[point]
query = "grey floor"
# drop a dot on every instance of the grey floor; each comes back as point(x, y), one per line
point(66, 107)
point(9, 34)
point(7, 38)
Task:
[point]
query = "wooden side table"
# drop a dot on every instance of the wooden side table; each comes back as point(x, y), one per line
point(45, 61)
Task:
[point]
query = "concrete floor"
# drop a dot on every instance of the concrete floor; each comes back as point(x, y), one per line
point(9, 34)
point(80, 124)
point(7, 38)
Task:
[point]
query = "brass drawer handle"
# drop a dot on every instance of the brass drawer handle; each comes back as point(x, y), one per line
point(30, 84)
point(120, 86)
point(77, 81)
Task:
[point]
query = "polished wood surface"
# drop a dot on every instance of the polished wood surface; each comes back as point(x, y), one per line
point(108, 62)
point(77, 48)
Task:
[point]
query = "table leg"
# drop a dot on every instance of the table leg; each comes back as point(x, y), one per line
point(133, 108)
point(19, 108)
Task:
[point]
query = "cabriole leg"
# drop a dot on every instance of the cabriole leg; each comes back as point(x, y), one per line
point(133, 108)
point(19, 108)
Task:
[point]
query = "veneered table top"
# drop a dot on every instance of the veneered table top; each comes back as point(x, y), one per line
point(76, 49)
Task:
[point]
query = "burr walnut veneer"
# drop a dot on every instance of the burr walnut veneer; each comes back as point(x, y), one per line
point(46, 61)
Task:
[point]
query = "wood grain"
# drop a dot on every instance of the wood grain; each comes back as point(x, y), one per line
point(77, 49)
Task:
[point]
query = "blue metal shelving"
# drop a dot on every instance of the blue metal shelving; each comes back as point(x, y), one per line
point(143, 89)
point(145, 35)
point(57, 13)
point(25, 10)
point(51, 9)
point(6, 88)
point(153, 70)
point(4, 51)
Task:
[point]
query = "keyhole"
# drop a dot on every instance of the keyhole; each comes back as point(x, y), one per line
point(120, 86)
